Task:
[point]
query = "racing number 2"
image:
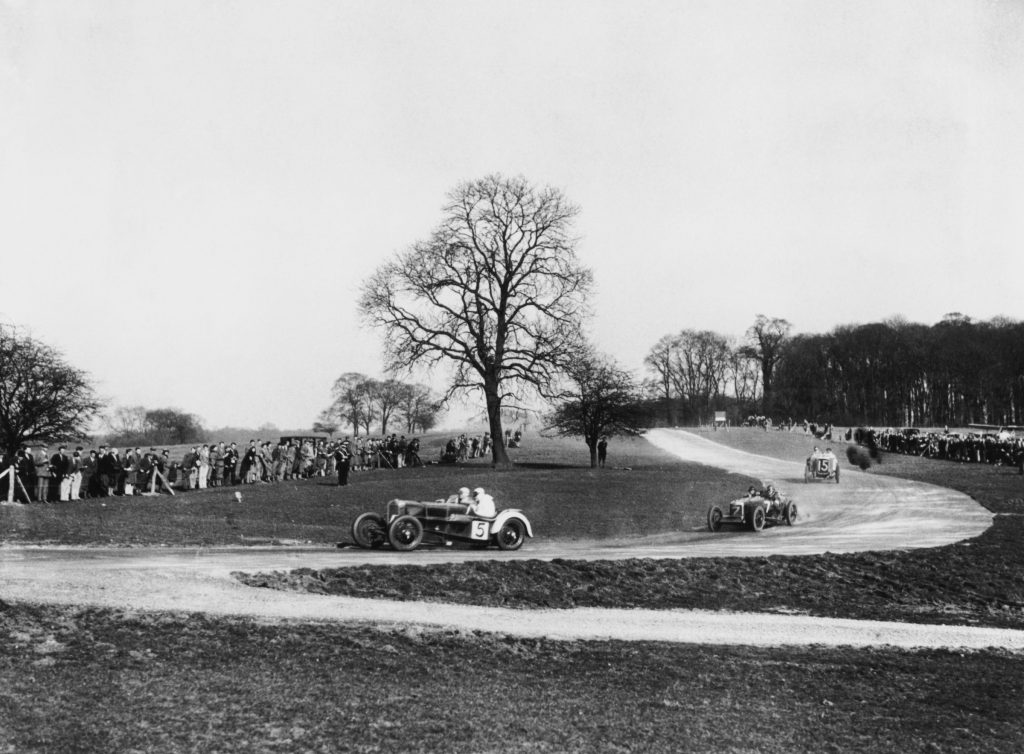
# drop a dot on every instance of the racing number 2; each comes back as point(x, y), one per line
point(478, 530)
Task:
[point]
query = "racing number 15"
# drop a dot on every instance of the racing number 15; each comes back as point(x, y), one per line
point(478, 530)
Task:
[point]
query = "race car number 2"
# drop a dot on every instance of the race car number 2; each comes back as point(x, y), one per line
point(478, 530)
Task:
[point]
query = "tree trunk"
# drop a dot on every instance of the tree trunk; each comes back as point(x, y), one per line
point(593, 454)
point(499, 454)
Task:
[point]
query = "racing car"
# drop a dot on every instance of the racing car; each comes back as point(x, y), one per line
point(821, 464)
point(408, 523)
point(753, 511)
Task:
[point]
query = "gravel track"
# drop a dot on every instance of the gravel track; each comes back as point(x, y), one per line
point(865, 512)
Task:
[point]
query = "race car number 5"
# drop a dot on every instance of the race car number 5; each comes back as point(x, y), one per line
point(479, 530)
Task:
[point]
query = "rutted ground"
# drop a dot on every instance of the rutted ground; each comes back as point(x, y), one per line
point(865, 512)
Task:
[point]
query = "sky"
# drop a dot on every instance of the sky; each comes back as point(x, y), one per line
point(191, 192)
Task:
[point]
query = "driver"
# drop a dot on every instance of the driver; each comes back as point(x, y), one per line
point(482, 504)
point(462, 497)
point(771, 495)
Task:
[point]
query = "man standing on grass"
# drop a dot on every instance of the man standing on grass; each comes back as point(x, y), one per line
point(342, 458)
point(231, 464)
point(43, 475)
point(61, 466)
point(602, 450)
point(75, 486)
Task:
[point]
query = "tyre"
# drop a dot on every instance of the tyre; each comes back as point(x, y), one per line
point(757, 518)
point(405, 533)
point(369, 531)
point(511, 535)
point(789, 513)
point(714, 518)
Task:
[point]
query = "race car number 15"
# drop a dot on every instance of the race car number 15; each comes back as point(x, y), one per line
point(478, 530)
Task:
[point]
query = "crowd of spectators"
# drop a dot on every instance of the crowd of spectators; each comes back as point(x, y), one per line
point(964, 447)
point(107, 471)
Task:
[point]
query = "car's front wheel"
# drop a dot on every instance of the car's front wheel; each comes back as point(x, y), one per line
point(369, 531)
point(511, 535)
point(757, 518)
point(789, 513)
point(714, 518)
point(405, 533)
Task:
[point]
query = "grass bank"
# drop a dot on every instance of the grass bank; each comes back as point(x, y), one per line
point(552, 483)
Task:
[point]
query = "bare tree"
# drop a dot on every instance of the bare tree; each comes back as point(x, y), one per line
point(766, 341)
point(127, 422)
point(350, 402)
point(42, 397)
point(386, 396)
point(326, 423)
point(603, 401)
point(418, 407)
point(496, 292)
point(659, 360)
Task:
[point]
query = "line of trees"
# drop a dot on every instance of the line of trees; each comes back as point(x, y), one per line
point(360, 401)
point(138, 425)
point(697, 372)
point(891, 373)
point(898, 373)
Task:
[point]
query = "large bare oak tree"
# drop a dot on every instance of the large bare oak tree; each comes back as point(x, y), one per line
point(496, 292)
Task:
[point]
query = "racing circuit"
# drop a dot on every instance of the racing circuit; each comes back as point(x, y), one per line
point(865, 512)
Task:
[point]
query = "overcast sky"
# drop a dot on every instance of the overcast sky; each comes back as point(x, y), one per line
point(192, 192)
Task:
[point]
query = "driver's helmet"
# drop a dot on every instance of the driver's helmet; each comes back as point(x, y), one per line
point(751, 491)
point(464, 496)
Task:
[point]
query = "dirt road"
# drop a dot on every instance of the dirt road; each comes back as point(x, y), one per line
point(864, 512)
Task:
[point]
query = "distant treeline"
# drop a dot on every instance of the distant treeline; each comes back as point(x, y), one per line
point(891, 374)
point(897, 373)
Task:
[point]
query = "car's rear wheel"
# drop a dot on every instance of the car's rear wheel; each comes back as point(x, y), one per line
point(714, 518)
point(369, 531)
point(757, 518)
point(511, 535)
point(789, 513)
point(405, 533)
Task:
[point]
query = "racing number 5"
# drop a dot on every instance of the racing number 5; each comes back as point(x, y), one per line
point(478, 530)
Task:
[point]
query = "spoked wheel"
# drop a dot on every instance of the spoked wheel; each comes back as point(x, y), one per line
point(405, 533)
point(789, 513)
point(511, 535)
point(757, 518)
point(369, 531)
point(714, 518)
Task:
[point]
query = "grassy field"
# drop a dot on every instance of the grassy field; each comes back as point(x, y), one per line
point(96, 680)
point(552, 483)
